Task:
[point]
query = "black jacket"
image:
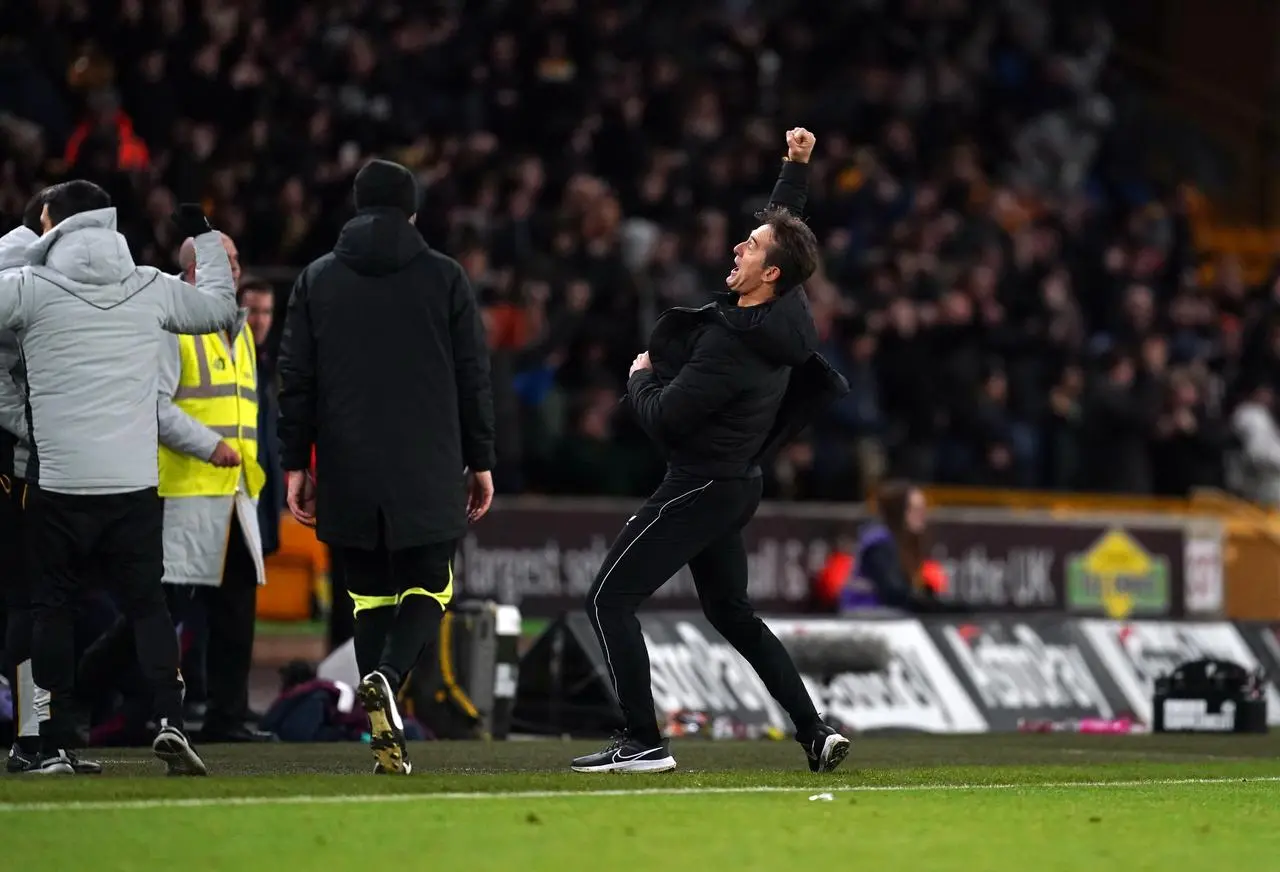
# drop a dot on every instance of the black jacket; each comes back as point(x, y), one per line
point(383, 368)
point(730, 385)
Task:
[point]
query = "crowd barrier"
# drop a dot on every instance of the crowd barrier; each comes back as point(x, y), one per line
point(1086, 555)
point(543, 555)
point(944, 674)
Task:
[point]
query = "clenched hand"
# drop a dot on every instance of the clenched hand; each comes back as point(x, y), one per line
point(800, 144)
point(641, 362)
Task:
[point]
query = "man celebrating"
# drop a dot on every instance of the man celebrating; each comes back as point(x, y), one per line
point(384, 370)
point(207, 408)
point(720, 389)
point(91, 324)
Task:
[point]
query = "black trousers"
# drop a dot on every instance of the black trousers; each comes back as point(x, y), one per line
point(230, 613)
point(342, 621)
point(70, 536)
point(398, 598)
point(15, 609)
point(696, 522)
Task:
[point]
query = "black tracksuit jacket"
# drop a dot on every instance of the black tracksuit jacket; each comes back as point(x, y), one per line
point(385, 370)
point(729, 385)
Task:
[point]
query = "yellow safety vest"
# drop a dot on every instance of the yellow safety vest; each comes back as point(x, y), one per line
point(222, 394)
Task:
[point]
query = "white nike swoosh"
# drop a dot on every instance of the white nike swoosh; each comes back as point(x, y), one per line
point(618, 758)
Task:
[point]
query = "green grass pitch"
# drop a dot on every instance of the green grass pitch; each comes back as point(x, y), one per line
point(1022, 803)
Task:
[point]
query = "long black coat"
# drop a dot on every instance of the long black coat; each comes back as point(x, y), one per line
point(384, 369)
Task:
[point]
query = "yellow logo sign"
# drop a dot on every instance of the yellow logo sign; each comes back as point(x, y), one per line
point(1119, 576)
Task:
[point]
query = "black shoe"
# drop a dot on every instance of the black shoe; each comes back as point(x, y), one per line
point(238, 734)
point(627, 755)
point(386, 729)
point(57, 763)
point(378, 770)
point(172, 746)
point(84, 767)
point(825, 748)
point(21, 761)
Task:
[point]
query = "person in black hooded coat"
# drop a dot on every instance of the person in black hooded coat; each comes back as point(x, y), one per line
point(720, 389)
point(384, 370)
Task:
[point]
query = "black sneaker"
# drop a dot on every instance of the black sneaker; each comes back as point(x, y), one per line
point(386, 729)
point(825, 748)
point(21, 761)
point(57, 763)
point(627, 755)
point(173, 747)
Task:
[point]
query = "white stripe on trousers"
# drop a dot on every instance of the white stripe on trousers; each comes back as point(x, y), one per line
point(595, 600)
point(33, 703)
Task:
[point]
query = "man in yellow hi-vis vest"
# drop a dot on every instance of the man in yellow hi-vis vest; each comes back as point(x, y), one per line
point(207, 415)
point(210, 480)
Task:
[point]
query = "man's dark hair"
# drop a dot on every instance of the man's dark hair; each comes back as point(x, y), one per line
point(73, 197)
point(794, 250)
point(253, 285)
point(31, 214)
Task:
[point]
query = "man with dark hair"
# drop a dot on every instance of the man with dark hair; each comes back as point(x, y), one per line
point(207, 407)
point(72, 198)
point(385, 372)
point(91, 323)
point(720, 389)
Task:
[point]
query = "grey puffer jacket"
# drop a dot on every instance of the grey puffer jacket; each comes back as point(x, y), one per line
point(90, 323)
point(13, 376)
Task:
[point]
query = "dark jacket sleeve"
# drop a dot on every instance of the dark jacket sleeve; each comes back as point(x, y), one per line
point(471, 369)
point(297, 367)
point(881, 566)
point(791, 191)
point(714, 374)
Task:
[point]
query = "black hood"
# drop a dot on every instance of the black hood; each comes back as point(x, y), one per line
point(379, 242)
point(781, 330)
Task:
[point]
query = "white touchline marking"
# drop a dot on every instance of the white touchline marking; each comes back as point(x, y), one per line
point(374, 798)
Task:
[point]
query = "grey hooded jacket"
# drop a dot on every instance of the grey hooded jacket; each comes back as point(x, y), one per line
point(90, 323)
point(13, 379)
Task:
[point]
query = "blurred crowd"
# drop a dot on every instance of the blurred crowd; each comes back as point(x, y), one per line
point(1011, 304)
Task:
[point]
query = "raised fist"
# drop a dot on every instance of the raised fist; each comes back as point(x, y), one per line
point(799, 144)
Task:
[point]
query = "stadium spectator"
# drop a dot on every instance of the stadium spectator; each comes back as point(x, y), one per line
point(987, 250)
point(890, 567)
point(257, 297)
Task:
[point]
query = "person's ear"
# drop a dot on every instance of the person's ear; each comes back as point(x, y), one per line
point(771, 274)
point(46, 224)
